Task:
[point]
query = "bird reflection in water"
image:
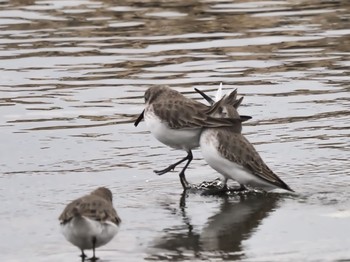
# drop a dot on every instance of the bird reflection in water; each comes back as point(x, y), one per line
point(221, 237)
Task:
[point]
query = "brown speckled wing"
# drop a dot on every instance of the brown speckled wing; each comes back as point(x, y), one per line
point(236, 148)
point(90, 206)
point(189, 114)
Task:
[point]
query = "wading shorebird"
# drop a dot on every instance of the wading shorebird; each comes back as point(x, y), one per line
point(177, 121)
point(90, 221)
point(227, 151)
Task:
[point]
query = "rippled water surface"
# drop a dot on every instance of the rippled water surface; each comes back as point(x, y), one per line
point(72, 77)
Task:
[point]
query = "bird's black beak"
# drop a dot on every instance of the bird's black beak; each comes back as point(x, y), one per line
point(138, 120)
point(205, 96)
point(244, 118)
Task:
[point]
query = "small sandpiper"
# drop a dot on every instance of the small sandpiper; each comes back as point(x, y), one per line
point(227, 151)
point(177, 121)
point(90, 221)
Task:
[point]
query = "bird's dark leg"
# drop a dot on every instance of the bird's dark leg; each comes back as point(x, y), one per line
point(94, 258)
point(225, 187)
point(83, 256)
point(171, 167)
point(241, 188)
point(183, 180)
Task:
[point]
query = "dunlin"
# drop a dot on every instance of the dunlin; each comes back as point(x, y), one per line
point(90, 221)
point(227, 151)
point(177, 121)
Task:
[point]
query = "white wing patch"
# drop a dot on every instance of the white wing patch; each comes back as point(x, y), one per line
point(218, 95)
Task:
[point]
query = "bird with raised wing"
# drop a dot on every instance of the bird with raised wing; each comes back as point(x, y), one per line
point(177, 121)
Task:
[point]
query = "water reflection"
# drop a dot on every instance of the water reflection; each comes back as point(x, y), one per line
point(223, 233)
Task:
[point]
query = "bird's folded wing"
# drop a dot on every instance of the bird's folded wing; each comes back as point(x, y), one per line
point(97, 209)
point(236, 148)
point(184, 114)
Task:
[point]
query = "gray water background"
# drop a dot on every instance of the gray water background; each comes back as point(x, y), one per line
point(72, 77)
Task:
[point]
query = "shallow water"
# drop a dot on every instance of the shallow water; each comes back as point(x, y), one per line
point(72, 77)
